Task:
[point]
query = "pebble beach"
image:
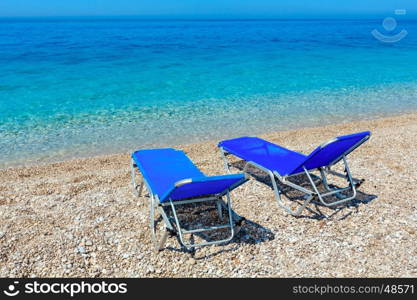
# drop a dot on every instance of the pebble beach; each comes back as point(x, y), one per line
point(79, 218)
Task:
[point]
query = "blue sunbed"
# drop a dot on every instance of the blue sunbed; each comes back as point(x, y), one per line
point(172, 179)
point(281, 163)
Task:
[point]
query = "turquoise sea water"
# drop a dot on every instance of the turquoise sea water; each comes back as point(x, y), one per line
point(71, 88)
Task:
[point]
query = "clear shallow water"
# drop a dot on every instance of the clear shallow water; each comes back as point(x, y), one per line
point(81, 87)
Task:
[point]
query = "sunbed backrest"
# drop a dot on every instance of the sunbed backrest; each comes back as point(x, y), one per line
point(195, 187)
point(331, 152)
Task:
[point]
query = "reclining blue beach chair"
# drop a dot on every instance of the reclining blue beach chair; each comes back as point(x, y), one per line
point(172, 179)
point(281, 164)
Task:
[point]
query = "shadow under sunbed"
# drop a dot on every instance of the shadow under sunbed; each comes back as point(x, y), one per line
point(200, 214)
point(296, 197)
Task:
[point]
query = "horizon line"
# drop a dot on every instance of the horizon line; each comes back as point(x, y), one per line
point(213, 17)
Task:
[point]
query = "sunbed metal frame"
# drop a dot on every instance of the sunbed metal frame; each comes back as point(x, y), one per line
point(173, 227)
point(310, 195)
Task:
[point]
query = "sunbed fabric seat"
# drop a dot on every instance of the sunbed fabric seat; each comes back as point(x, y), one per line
point(286, 162)
point(163, 168)
point(264, 153)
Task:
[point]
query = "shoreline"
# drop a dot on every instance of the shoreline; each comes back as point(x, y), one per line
point(79, 218)
point(267, 133)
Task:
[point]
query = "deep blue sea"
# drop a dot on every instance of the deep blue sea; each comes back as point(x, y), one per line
point(80, 87)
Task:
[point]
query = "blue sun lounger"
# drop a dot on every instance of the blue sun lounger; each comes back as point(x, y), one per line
point(281, 164)
point(172, 179)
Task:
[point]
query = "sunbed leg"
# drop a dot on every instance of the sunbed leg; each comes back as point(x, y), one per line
point(277, 193)
point(133, 176)
point(324, 179)
point(190, 246)
point(229, 210)
point(163, 240)
point(169, 230)
point(349, 179)
point(226, 163)
point(219, 209)
point(320, 196)
point(237, 220)
point(152, 217)
point(179, 230)
point(140, 188)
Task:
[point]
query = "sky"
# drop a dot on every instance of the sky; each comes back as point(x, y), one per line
point(205, 8)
